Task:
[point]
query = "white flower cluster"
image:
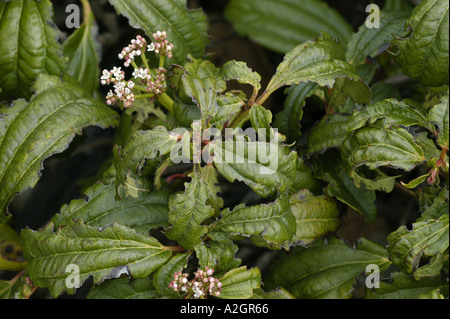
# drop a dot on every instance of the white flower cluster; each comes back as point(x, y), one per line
point(162, 46)
point(136, 48)
point(154, 83)
point(115, 75)
point(122, 89)
point(142, 74)
point(157, 86)
point(151, 80)
point(200, 286)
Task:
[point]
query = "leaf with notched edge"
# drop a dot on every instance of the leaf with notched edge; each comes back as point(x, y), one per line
point(83, 51)
point(218, 253)
point(260, 117)
point(427, 238)
point(239, 71)
point(28, 46)
point(424, 52)
point(330, 132)
point(288, 120)
point(326, 270)
point(164, 275)
point(342, 187)
point(372, 41)
point(403, 286)
point(439, 114)
point(271, 225)
point(239, 283)
point(321, 61)
point(438, 207)
point(374, 146)
point(203, 92)
point(149, 210)
point(190, 208)
point(315, 217)
point(130, 160)
point(31, 132)
point(103, 253)
point(267, 168)
point(186, 29)
point(391, 112)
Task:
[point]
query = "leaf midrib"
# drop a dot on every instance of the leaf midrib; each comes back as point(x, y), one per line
point(172, 27)
point(424, 61)
point(22, 143)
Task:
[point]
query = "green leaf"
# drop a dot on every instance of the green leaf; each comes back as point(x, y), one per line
point(83, 51)
point(6, 289)
point(427, 196)
point(383, 91)
point(186, 29)
point(398, 5)
point(373, 41)
point(239, 71)
point(288, 120)
point(423, 53)
point(189, 209)
point(315, 217)
point(239, 283)
point(321, 61)
point(304, 179)
point(103, 253)
point(11, 265)
point(274, 294)
point(203, 92)
point(265, 167)
point(46, 81)
point(416, 182)
point(28, 46)
point(432, 268)
point(199, 67)
point(392, 112)
point(260, 117)
point(345, 88)
point(382, 182)
point(198, 83)
point(439, 206)
point(367, 72)
point(326, 270)
point(218, 253)
point(11, 289)
point(374, 146)
point(427, 143)
point(271, 225)
point(330, 132)
point(210, 176)
point(439, 114)
point(185, 113)
point(164, 276)
point(402, 286)
point(229, 107)
point(142, 147)
point(433, 294)
point(331, 168)
point(30, 133)
point(406, 247)
point(280, 25)
point(100, 208)
point(123, 288)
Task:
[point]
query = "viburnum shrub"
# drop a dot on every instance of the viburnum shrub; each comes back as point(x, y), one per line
point(211, 163)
